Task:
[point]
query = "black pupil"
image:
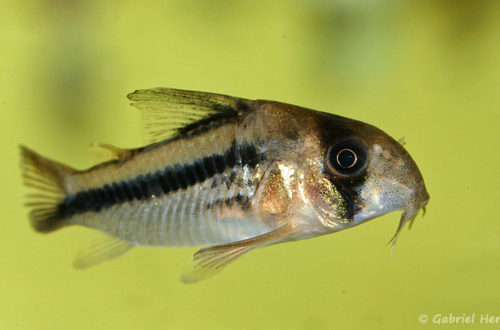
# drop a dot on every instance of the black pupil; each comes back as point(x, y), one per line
point(346, 158)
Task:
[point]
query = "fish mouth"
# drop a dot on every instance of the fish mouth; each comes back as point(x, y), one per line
point(409, 215)
point(377, 206)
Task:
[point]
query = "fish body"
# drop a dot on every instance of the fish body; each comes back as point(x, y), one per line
point(229, 175)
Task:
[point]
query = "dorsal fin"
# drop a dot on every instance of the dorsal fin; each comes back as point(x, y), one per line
point(167, 113)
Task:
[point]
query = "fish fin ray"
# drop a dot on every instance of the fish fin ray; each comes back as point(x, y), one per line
point(209, 261)
point(47, 178)
point(167, 113)
point(101, 249)
point(108, 152)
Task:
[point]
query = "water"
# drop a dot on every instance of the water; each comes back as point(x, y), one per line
point(425, 70)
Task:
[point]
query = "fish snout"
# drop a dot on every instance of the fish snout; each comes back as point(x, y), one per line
point(412, 182)
point(393, 182)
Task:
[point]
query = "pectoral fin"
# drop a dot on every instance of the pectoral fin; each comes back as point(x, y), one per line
point(209, 261)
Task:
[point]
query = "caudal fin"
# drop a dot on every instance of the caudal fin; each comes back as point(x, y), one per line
point(47, 178)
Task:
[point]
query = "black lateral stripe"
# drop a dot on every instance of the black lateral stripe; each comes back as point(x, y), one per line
point(135, 186)
point(208, 164)
point(162, 180)
point(191, 174)
point(119, 193)
point(125, 188)
point(219, 162)
point(201, 172)
point(111, 197)
point(144, 187)
point(181, 176)
point(103, 198)
point(170, 179)
point(93, 199)
point(231, 156)
point(154, 185)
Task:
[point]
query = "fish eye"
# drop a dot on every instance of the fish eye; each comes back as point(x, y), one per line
point(346, 157)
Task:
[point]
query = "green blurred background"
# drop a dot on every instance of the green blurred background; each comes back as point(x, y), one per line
point(427, 70)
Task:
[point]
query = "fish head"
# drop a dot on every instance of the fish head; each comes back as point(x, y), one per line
point(371, 172)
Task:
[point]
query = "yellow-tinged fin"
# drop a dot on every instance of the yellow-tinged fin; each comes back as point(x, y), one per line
point(168, 112)
point(210, 261)
point(101, 249)
point(47, 177)
point(107, 152)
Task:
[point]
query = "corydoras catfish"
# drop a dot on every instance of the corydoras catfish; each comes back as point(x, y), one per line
point(228, 175)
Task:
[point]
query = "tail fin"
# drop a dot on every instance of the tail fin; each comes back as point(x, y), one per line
point(47, 178)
